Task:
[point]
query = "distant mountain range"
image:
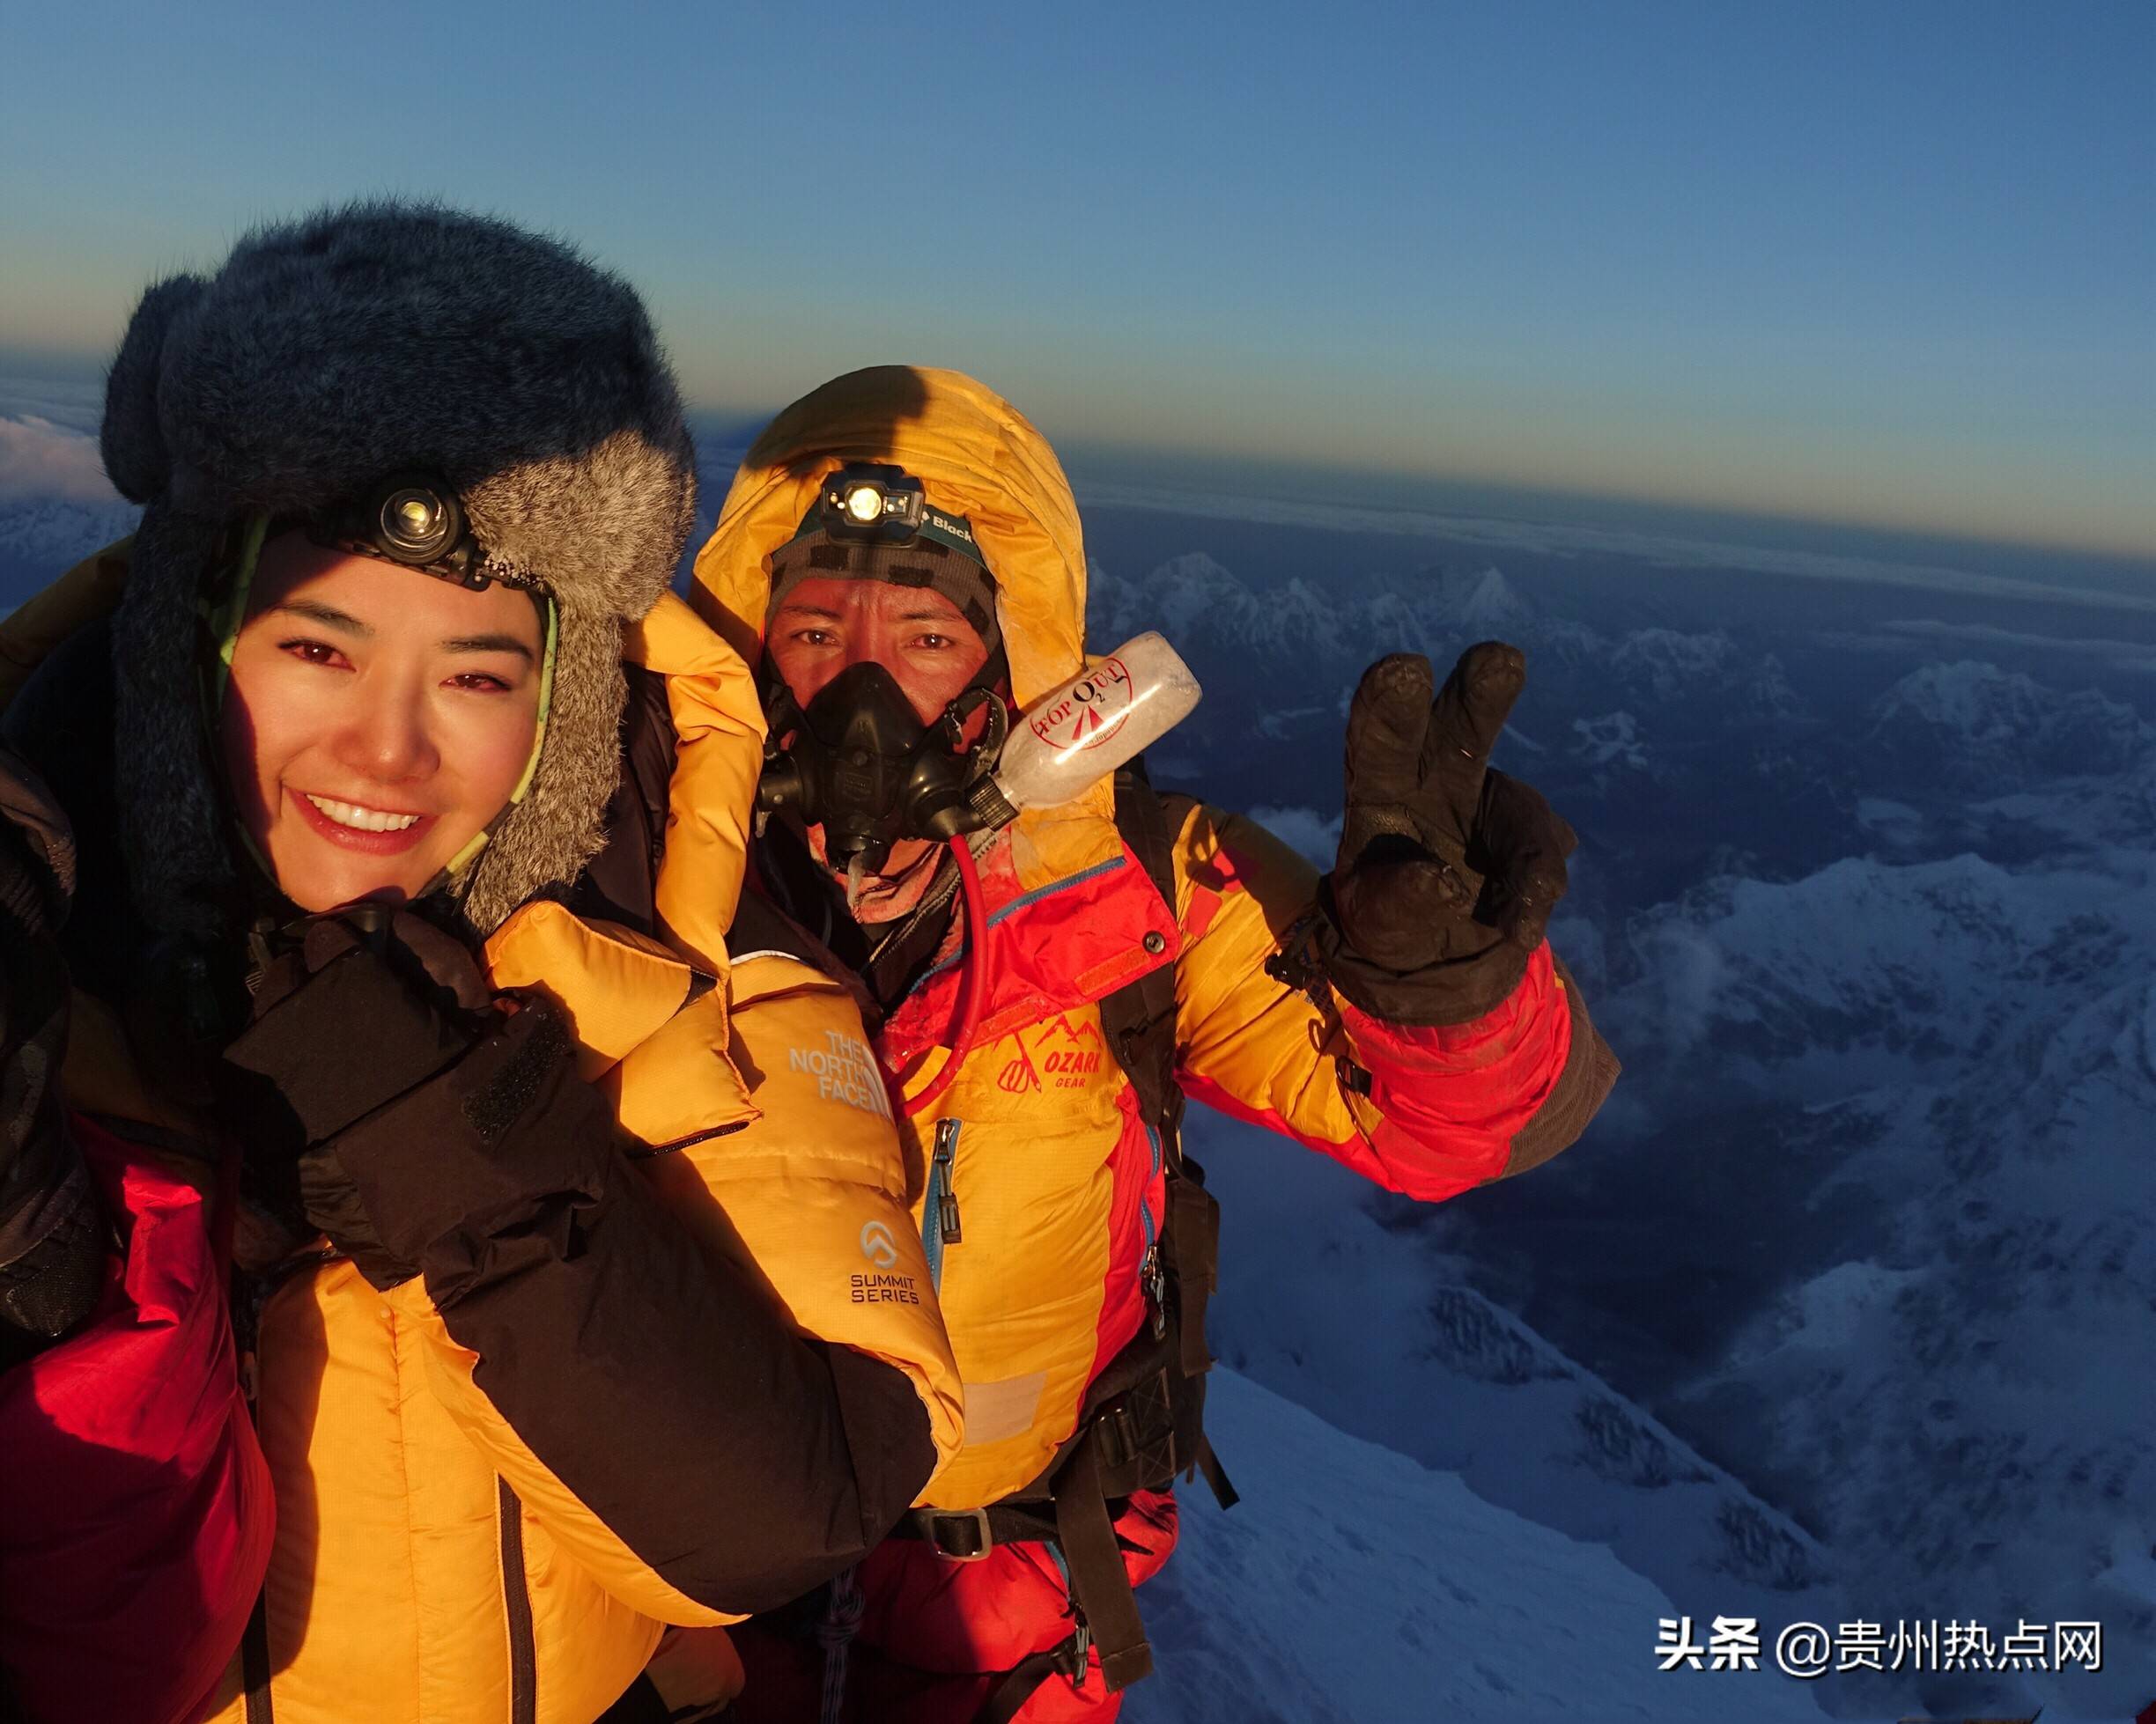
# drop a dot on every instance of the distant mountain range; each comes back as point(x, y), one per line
point(1871, 1218)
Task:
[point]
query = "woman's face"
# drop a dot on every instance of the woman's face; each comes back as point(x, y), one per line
point(376, 719)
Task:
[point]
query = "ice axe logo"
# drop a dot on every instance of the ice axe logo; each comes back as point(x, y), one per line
point(878, 1246)
point(1018, 1074)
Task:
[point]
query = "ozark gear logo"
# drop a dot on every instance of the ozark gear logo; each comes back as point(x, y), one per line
point(1063, 1056)
point(878, 1246)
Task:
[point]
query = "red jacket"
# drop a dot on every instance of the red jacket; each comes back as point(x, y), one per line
point(136, 1513)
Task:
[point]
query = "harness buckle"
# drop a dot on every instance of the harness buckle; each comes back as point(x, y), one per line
point(1078, 1650)
point(957, 1535)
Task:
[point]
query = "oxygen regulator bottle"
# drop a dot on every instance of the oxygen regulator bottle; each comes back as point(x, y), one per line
point(1080, 733)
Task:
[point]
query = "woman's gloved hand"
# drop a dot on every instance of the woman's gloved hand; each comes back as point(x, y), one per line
point(52, 1231)
point(1448, 870)
point(367, 1005)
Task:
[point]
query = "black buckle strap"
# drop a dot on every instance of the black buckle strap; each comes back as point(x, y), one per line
point(967, 1534)
point(961, 1535)
point(1067, 1659)
point(1195, 1225)
point(1135, 1436)
point(1100, 1585)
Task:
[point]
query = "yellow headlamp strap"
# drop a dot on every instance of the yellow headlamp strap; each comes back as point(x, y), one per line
point(552, 617)
point(224, 615)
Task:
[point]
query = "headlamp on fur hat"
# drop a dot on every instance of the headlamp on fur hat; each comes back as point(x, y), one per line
point(865, 503)
point(415, 518)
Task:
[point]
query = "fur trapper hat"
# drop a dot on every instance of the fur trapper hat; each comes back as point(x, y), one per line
point(327, 355)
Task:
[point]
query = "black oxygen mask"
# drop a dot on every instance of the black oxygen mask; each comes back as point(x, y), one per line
point(859, 761)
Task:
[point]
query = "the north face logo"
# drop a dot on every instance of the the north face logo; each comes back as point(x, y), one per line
point(845, 1070)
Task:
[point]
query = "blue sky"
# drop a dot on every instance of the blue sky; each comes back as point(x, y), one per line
point(1890, 264)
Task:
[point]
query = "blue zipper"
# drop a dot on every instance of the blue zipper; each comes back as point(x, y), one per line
point(939, 1207)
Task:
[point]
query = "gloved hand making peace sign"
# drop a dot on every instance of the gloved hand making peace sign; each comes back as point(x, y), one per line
point(1448, 869)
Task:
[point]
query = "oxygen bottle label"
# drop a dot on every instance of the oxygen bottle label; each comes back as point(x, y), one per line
point(1086, 727)
point(1090, 712)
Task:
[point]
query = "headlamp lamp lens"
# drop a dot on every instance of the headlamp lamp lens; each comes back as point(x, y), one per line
point(416, 524)
point(863, 503)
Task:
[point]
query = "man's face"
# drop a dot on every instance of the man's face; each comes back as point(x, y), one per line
point(376, 719)
point(828, 623)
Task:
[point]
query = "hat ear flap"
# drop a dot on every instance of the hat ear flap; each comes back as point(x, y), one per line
point(132, 441)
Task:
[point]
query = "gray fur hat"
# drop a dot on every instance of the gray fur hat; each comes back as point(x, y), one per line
point(327, 355)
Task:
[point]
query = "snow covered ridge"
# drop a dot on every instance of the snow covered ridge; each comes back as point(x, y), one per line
point(1353, 1586)
point(1373, 1333)
point(1952, 1067)
point(1977, 723)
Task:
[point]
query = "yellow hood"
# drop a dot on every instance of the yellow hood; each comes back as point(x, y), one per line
point(974, 453)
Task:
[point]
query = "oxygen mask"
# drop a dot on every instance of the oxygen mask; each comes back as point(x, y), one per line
point(859, 761)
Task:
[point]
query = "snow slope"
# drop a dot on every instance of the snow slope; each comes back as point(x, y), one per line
point(1353, 1586)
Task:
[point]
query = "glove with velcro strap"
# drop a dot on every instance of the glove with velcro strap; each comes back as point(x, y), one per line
point(378, 1080)
point(1448, 869)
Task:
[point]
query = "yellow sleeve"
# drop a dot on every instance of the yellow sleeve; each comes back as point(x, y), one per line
point(1247, 1042)
point(811, 1187)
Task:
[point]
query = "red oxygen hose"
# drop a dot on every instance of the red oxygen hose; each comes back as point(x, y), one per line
point(973, 984)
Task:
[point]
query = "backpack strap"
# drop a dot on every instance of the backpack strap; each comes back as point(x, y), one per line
point(1139, 1023)
point(1139, 1019)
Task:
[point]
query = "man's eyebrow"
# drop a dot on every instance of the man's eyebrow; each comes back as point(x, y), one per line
point(489, 644)
point(329, 615)
point(793, 608)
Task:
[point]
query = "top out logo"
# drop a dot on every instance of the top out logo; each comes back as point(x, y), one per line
point(1091, 713)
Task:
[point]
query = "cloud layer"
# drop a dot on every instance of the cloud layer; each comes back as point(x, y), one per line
point(1557, 539)
point(40, 460)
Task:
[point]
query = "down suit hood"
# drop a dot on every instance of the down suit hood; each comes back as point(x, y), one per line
point(975, 455)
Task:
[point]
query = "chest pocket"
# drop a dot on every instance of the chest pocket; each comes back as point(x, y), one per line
point(1024, 1165)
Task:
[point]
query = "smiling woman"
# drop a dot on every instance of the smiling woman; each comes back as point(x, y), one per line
point(378, 934)
point(375, 727)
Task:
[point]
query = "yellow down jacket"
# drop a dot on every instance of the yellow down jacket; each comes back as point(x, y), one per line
point(1037, 1151)
point(440, 1558)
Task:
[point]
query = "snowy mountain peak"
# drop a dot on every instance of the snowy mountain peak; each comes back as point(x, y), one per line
point(1970, 721)
point(1484, 604)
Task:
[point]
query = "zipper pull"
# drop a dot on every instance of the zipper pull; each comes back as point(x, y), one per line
point(947, 1199)
point(1155, 1281)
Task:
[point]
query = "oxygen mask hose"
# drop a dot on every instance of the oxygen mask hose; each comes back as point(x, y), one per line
point(972, 982)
